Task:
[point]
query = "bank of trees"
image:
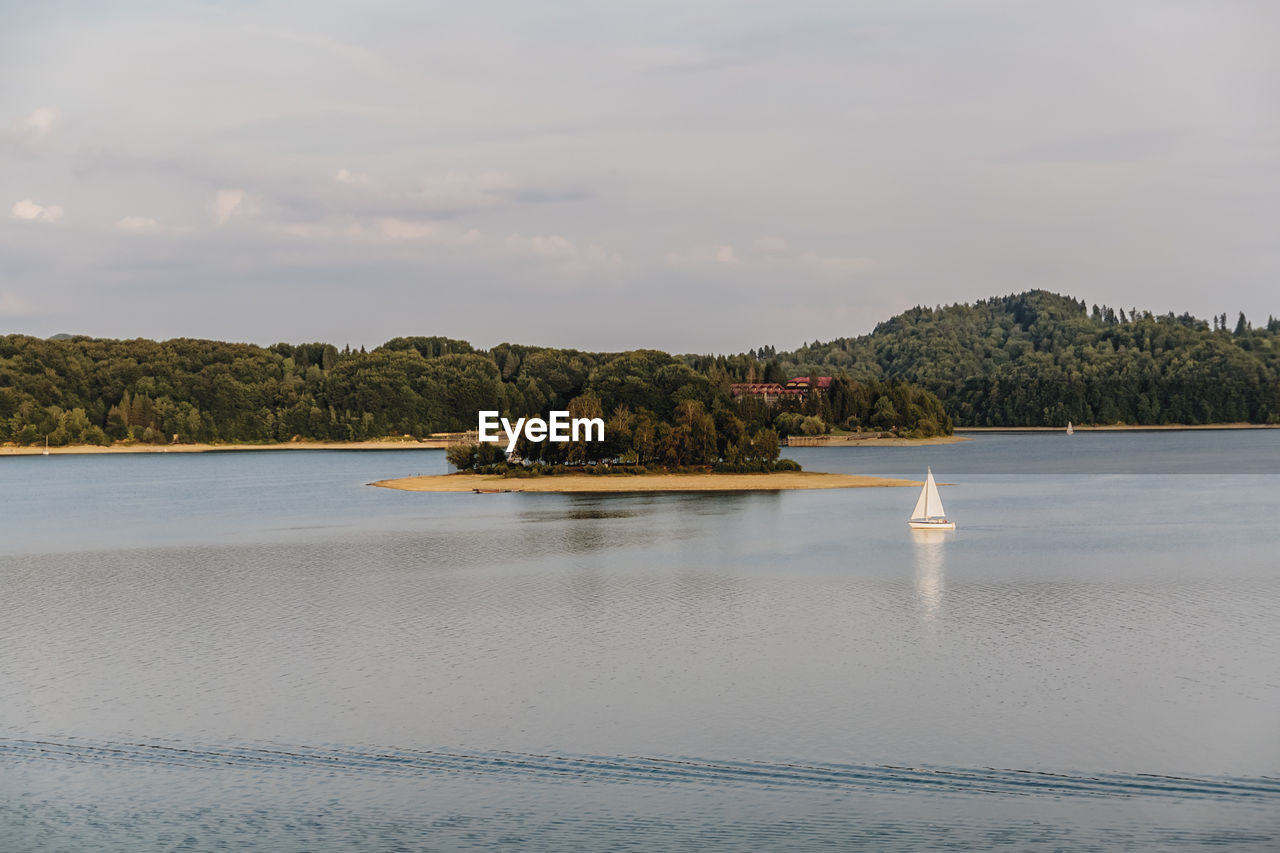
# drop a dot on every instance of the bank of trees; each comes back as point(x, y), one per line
point(1032, 359)
point(662, 409)
point(1041, 359)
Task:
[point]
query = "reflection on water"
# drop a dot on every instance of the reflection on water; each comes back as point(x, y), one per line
point(929, 547)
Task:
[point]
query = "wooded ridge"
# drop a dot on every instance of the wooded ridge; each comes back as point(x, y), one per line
point(1042, 359)
point(1030, 359)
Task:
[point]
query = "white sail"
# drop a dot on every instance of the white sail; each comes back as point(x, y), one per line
point(922, 504)
point(933, 501)
point(930, 503)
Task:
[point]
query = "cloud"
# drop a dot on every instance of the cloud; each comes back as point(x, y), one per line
point(31, 131)
point(13, 305)
point(234, 204)
point(704, 255)
point(348, 230)
point(426, 231)
point(32, 212)
point(457, 190)
point(564, 254)
point(436, 195)
point(138, 225)
point(726, 255)
point(343, 176)
point(835, 264)
point(382, 230)
point(769, 245)
point(770, 251)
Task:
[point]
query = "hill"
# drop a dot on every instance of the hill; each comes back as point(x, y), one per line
point(1042, 359)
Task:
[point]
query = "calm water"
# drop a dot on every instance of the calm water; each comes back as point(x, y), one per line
point(257, 651)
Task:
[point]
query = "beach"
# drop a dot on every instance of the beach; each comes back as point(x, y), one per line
point(786, 480)
point(1121, 427)
point(869, 440)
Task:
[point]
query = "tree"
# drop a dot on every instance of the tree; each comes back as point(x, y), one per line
point(582, 451)
point(765, 445)
point(462, 456)
point(884, 416)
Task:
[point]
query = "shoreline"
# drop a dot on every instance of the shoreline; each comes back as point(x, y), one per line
point(869, 441)
point(1123, 428)
point(640, 483)
point(413, 444)
point(444, 443)
point(87, 449)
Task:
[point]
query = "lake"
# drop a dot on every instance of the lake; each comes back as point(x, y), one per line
point(258, 651)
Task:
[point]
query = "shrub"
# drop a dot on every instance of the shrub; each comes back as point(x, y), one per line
point(813, 425)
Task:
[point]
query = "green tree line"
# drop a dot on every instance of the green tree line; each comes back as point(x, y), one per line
point(89, 390)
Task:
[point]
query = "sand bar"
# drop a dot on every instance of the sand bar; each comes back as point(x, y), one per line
point(641, 482)
point(1120, 427)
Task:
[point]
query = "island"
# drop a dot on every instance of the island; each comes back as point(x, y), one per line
point(657, 482)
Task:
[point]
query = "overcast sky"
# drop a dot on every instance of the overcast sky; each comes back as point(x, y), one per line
point(691, 177)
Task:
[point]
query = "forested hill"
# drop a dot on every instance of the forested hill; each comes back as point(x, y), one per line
point(1033, 359)
point(89, 390)
point(1041, 359)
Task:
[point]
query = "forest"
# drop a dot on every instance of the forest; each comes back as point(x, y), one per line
point(1029, 359)
point(1041, 359)
point(78, 389)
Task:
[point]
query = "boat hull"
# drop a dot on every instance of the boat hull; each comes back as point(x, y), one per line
point(921, 524)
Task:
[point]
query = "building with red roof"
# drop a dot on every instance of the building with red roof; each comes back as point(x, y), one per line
point(802, 382)
point(773, 391)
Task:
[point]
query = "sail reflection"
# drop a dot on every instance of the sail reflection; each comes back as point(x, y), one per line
point(929, 547)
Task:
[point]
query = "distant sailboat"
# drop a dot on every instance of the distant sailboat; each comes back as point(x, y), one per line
point(929, 514)
point(1070, 431)
point(46, 446)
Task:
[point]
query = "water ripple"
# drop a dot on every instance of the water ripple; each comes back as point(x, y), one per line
point(703, 772)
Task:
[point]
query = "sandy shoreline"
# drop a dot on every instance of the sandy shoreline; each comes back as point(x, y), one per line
point(1120, 428)
point(641, 483)
point(870, 441)
point(73, 449)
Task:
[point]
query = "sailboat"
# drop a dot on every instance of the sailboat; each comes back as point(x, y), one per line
point(1070, 431)
point(929, 514)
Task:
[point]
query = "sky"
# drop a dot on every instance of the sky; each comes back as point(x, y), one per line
point(705, 177)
